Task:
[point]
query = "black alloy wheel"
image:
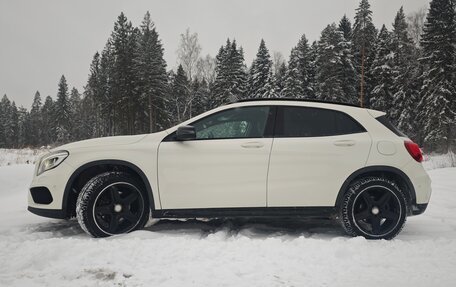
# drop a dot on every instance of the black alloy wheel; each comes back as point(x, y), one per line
point(374, 208)
point(118, 208)
point(112, 203)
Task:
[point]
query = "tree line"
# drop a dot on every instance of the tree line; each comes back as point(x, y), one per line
point(408, 72)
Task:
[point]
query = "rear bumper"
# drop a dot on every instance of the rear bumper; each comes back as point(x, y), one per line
point(418, 209)
point(51, 213)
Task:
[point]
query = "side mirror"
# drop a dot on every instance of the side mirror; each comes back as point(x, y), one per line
point(185, 133)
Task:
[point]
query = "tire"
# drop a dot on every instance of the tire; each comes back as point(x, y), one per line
point(112, 203)
point(374, 208)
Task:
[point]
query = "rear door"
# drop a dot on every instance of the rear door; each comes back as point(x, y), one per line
point(314, 152)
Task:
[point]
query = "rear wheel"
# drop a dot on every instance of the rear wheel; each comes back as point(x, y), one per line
point(112, 203)
point(374, 208)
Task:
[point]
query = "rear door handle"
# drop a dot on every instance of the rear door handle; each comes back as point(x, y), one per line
point(345, 143)
point(252, 145)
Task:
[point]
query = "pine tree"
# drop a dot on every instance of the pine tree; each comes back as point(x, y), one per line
point(260, 77)
point(62, 112)
point(364, 36)
point(438, 93)
point(382, 94)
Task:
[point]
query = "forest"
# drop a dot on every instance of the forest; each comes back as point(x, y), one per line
point(408, 71)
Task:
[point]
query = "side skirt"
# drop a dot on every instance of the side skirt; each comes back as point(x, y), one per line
point(307, 212)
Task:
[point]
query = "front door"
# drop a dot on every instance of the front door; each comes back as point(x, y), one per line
point(224, 167)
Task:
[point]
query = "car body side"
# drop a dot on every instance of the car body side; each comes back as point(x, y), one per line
point(142, 154)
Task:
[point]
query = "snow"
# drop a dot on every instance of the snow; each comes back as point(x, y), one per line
point(36, 251)
point(19, 156)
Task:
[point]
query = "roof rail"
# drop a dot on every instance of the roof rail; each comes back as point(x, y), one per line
point(295, 99)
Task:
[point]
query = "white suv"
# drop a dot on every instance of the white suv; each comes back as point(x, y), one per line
point(272, 157)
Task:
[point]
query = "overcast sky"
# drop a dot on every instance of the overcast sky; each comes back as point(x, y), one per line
point(41, 40)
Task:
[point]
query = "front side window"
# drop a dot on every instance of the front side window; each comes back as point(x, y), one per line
point(244, 122)
point(314, 122)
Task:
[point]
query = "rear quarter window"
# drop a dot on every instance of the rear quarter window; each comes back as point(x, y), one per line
point(385, 122)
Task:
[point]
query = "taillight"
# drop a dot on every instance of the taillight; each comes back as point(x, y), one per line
point(414, 150)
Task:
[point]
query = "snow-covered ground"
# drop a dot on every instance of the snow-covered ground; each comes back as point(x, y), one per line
point(36, 251)
point(19, 156)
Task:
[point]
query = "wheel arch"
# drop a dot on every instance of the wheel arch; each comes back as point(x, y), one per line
point(388, 172)
point(88, 170)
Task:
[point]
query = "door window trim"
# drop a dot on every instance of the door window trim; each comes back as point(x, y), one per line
point(279, 122)
point(268, 130)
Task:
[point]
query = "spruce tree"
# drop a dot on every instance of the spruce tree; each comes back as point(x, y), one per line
point(180, 96)
point(438, 93)
point(62, 112)
point(405, 96)
point(363, 39)
point(5, 123)
point(76, 126)
point(382, 94)
point(230, 82)
point(23, 128)
point(260, 77)
point(92, 112)
point(329, 63)
point(14, 126)
point(36, 123)
point(151, 70)
point(48, 122)
point(345, 27)
point(123, 45)
point(280, 79)
point(293, 83)
point(348, 80)
point(305, 68)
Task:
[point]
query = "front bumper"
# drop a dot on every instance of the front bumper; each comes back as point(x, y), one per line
point(51, 213)
point(48, 188)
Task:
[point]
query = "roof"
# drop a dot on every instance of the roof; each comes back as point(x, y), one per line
point(297, 100)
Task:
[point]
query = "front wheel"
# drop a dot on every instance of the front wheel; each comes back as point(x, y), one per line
point(374, 208)
point(112, 203)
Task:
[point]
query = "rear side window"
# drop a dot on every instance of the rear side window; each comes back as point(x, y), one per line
point(384, 121)
point(314, 122)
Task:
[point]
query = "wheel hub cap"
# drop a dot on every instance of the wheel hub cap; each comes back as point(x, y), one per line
point(117, 208)
point(375, 210)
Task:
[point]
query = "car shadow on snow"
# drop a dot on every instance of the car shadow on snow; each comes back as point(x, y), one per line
point(57, 228)
point(252, 227)
point(249, 227)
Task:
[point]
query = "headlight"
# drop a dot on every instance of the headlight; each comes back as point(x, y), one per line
point(51, 161)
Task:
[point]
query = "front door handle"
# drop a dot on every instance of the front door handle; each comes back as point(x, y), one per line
point(345, 143)
point(252, 145)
